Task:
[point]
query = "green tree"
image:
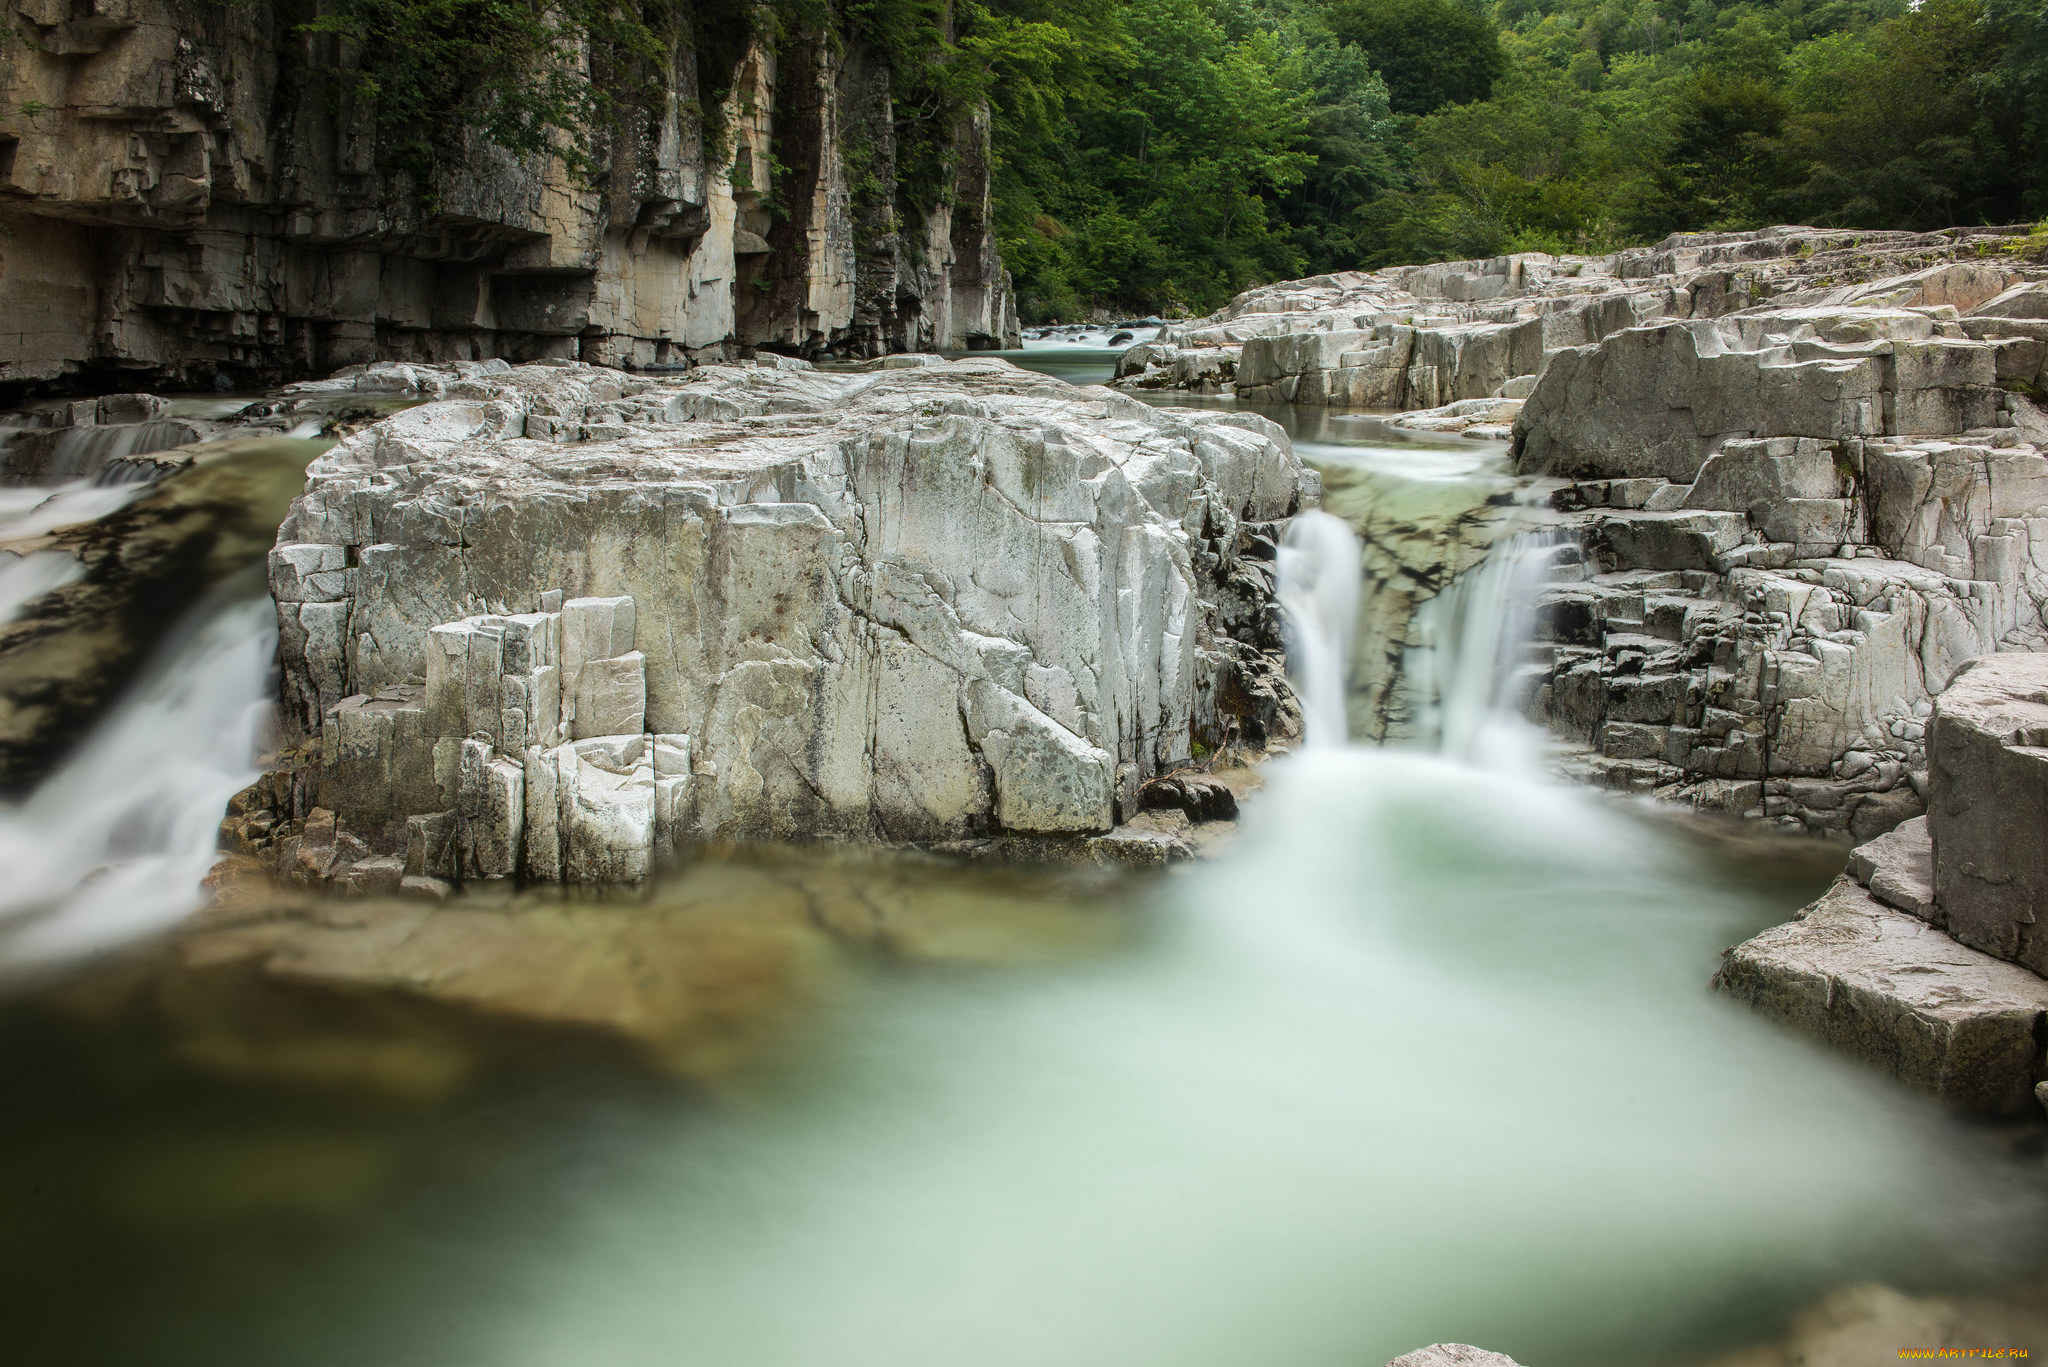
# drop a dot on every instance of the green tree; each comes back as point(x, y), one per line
point(1430, 52)
point(1724, 165)
point(1907, 124)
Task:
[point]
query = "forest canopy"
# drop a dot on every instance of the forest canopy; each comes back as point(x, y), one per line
point(1166, 153)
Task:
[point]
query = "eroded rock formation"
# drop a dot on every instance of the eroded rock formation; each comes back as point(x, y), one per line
point(1417, 337)
point(1794, 525)
point(1922, 959)
point(563, 618)
point(181, 201)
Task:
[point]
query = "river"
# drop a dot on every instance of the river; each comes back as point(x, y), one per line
point(1428, 1055)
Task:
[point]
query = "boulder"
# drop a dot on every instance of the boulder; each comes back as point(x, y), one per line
point(921, 603)
point(1658, 400)
point(1987, 743)
point(1900, 994)
point(1452, 1355)
point(1898, 869)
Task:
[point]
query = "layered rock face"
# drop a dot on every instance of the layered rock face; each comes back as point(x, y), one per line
point(1420, 337)
point(1794, 525)
point(563, 619)
point(1800, 475)
point(182, 202)
point(1922, 959)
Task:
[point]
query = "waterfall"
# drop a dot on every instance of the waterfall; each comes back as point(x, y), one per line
point(1320, 573)
point(1467, 643)
point(115, 843)
point(42, 456)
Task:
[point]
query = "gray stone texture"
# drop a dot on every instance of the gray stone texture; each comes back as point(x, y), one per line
point(1896, 992)
point(183, 206)
point(935, 602)
point(1988, 805)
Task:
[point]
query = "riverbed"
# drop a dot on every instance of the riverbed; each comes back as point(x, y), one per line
point(1429, 1054)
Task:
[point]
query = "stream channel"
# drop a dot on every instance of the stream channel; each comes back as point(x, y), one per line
point(1427, 1054)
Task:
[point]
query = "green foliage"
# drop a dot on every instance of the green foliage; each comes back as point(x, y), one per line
point(1163, 154)
point(1620, 122)
point(528, 75)
point(1430, 52)
point(1723, 161)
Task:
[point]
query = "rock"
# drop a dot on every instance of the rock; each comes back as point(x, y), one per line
point(1987, 752)
point(1201, 797)
point(1898, 869)
point(1859, 1325)
point(1899, 994)
point(1417, 337)
point(931, 603)
point(1659, 400)
point(264, 236)
point(1452, 1355)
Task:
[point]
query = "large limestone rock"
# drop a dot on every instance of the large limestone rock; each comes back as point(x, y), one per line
point(1923, 959)
point(184, 203)
point(1657, 401)
point(1418, 337)
point(563, 620)
point(1796, 524)
point(1898, 993)
point(1988, 808)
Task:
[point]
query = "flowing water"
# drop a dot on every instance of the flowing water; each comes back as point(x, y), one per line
point(1430, 1055)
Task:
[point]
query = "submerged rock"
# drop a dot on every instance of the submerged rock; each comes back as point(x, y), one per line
point(1452, 1355)
point(564, 620)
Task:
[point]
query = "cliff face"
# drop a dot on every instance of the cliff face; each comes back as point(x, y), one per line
point(181, 203)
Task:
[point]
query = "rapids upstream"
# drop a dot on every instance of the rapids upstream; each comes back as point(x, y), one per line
point(1428, 1055)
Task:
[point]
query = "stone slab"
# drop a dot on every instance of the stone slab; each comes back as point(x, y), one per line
point(1900, 995)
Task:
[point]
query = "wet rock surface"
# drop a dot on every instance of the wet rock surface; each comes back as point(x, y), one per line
point(1896, 992)
point(694, 976)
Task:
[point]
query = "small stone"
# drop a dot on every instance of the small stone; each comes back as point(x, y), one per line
point(1452, 1355)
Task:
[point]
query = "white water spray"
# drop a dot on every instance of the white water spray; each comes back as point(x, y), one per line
point(82, 452)
point(1319, 586)
point(115, 843)
point(1469, 640)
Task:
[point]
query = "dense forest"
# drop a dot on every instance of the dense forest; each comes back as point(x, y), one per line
point(1166, 153)
point(1159, 155)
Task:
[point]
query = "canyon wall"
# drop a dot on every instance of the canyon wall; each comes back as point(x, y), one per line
point(184, 203)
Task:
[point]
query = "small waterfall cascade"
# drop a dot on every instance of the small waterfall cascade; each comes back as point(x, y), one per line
point(30, 512)
point(37, 455)
point(1320, 576)
point(1467, 644)
point(114, 844)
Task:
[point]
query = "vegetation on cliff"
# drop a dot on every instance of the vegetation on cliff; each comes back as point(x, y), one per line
point(1163, 154)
